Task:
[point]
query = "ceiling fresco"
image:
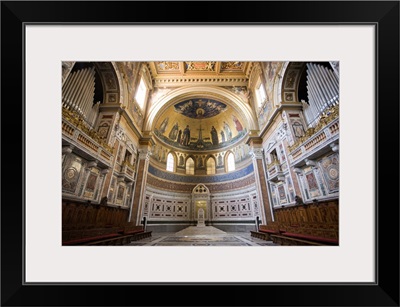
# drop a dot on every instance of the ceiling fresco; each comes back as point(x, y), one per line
point(200, 124)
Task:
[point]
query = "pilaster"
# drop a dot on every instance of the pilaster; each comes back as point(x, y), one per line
point(141, 179)
point(256, 151)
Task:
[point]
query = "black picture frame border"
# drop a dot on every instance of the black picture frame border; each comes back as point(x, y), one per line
point(16, 14)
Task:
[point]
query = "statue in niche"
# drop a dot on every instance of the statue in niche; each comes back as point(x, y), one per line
point(214, 136)
point(181, 162)
point(200, 163)
point(174, 132)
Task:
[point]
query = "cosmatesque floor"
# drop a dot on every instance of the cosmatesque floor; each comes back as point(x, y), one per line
point(202, 236)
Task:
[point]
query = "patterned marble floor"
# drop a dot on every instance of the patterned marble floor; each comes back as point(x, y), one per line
point(202, 236)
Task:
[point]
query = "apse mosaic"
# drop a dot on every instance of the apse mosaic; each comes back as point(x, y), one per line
point(200, 124)
point(200, 108)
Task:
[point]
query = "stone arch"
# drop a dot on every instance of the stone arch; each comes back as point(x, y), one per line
point(290, 82)
point(201, 201)
point(226, 157)
point(194, 161)
point(111, 82)
point(200, 189)
point(206, 162)
point(174, 155)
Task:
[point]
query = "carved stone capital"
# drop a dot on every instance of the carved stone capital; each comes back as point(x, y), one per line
point(256, 153)
point(335, 147)
point(310, 162)
point(297, 170)
point(92, 164)
point(105, 171)
point(67, 149)
point(144, 154)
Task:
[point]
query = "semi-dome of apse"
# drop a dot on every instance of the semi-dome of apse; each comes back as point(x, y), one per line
point(200, 124)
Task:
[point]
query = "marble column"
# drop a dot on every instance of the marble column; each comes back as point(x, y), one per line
point(140, 185)
point(260, 179)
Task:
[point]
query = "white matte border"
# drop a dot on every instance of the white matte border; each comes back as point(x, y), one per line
point(48, 45)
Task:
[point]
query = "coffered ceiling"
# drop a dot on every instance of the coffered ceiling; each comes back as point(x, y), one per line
point(173, 74)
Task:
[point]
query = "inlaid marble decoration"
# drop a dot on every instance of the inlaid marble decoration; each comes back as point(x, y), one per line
point(91, 183)
point(71, 173)
point(120, 193)
point(282, 194)
point(312, 184)
point(330, 167)
point(232, 208)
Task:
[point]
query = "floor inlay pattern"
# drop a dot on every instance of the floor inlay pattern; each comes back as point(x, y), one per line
point(206, 236)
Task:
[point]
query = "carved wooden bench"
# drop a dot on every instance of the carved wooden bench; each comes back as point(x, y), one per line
point(322, 240)
point(141, 235)
point(121, 240)
point(263, 234)
point(298, 239)
point(84, 241)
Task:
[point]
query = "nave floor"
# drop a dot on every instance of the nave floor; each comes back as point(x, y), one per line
point(202, 236)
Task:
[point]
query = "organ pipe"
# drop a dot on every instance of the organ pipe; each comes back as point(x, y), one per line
point(75, 89)
point(319, 99)
point(74, 78)
point(319, 85)
point(87, 97)
point(322, 89)
point(78, 92)
point(65, 89)
point(322, 86)
point(82, 90)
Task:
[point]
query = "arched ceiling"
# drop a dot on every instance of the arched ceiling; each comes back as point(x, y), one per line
point(201, 108)
point(200, 123)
